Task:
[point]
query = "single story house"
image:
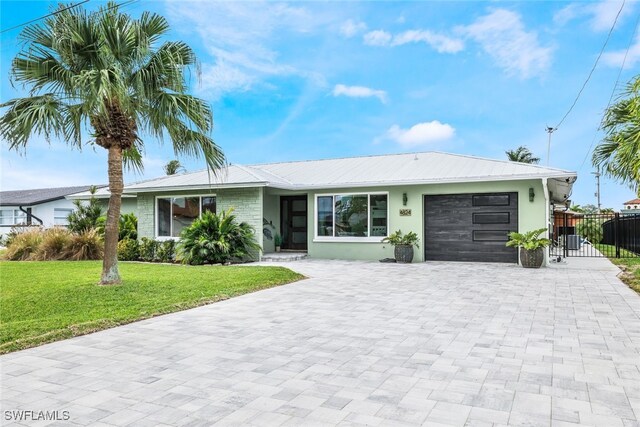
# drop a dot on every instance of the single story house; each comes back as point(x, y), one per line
point(43, 206)
point(462, 207)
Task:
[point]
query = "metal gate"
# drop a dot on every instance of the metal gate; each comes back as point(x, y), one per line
point(611, 235)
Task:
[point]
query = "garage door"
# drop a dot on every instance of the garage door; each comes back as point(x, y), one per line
point(470, 227)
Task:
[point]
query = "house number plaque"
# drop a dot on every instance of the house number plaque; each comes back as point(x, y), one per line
point(405, 212)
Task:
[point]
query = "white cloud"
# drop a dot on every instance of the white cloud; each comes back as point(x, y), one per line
point(503, 36)
point(377, 38)
point(359, 92)
point(601, 14)
point(420, 134)
point(439, 42)
point(350, 28)
point(240, 36)
point(616, 58)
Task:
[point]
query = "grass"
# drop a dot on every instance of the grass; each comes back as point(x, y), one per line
point(48, 301)
point(630, 266)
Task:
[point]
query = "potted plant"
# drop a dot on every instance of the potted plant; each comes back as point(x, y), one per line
point(531, 247)
point(277, 240)
point(403, 245)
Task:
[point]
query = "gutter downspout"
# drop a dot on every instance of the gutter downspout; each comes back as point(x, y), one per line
point(547, 207)
point(30, 215)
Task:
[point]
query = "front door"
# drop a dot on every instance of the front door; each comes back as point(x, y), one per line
point(293, 222)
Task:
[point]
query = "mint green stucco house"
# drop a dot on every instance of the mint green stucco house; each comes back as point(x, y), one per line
point(462, 207)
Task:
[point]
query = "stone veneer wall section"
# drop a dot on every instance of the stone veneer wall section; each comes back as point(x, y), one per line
point(146, 215)
point(246, 202)
point(247, 205)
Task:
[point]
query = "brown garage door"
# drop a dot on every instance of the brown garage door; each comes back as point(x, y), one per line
point(470, 227)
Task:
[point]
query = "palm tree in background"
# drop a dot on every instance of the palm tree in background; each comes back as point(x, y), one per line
point(618, 155)
point(522, 155)
point(108, 73)
point(173, 167)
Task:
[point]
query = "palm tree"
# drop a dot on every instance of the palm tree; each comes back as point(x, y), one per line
point(107, 73)
point(618, 155)
point(173, 167)
point(522, 155)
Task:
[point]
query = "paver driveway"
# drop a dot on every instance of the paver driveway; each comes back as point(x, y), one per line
point(361, 344)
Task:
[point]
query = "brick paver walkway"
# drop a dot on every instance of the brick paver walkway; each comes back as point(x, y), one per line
point(361, 344)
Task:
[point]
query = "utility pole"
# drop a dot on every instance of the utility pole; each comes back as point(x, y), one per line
point(597, 174)
point(550, 130)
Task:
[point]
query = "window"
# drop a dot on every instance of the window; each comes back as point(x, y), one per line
point(173, 214)
point(61, 216)
point(12, 217)
point(352, 216)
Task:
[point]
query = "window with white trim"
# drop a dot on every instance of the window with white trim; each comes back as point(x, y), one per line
point(12, 217)
point(61, 216)
point(173, 214)
point(358, 215)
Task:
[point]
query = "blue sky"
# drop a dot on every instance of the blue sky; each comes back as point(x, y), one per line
point(308, 80)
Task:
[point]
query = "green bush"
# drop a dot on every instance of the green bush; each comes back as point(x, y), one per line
point(128, 227)
point(215, 238)
point(128, 250)
point(167, 251)
point(148, 249)
point(590, 229)
point(86, 216)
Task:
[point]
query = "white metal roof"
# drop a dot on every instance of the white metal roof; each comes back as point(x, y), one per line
point(382, 170)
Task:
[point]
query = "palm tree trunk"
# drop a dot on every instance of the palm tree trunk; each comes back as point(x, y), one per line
point(110, 274)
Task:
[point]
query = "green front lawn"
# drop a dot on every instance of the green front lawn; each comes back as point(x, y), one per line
point(48, 301)
point(630, 266)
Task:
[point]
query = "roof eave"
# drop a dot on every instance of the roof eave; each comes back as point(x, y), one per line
point(423, 182)
point(133, 191)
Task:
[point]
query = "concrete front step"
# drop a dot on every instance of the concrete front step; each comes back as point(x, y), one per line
point(284, 256)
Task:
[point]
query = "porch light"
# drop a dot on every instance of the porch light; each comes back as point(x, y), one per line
point(404, 199)
point(532, 195)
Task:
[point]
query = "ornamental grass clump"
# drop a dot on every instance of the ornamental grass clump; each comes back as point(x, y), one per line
point(24, 244)
point(217, 238)
point(53, 245)
point(87, 245)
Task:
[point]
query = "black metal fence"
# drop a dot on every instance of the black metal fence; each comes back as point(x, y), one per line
point(596, 235)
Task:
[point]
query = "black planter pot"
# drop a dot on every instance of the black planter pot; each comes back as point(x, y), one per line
point(532, 259)
point(403, 253)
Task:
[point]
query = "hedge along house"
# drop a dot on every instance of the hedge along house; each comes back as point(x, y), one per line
point(462, 207)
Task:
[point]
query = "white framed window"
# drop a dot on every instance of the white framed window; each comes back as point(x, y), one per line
point(354, 217)
point(11, 217)
point(174, 213)
point(61, 216)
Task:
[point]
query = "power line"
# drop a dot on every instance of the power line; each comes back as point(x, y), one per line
point(594, 66)
point(43, 17)
point(613, 91)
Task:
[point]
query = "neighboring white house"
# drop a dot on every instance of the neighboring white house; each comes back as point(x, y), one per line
point(632, 205)
point(43, 206)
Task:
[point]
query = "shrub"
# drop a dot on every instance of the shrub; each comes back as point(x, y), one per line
point(86, 216)
point(128, 250)
point(128, 227)
point(216, 239)
point(148, 249)
point(24, 244)
point(591, 229)
point(87, 245)
point(166, 251)
point(53, 245)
